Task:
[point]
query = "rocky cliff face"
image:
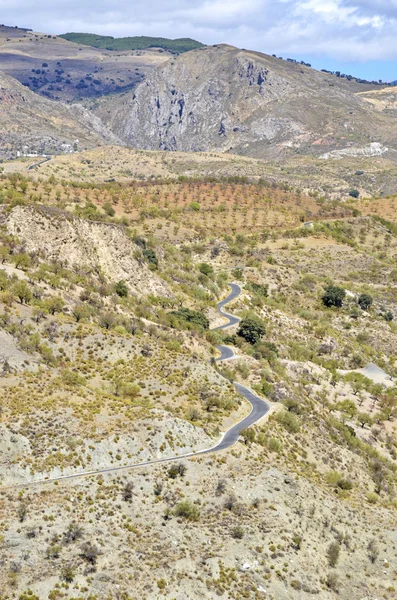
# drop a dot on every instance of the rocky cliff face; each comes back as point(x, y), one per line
point(77, 242)
point(225, 99)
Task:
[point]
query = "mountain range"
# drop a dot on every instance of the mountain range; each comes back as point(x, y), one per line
point(212, 98)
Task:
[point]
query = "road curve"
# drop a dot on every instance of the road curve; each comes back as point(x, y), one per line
point(259, 408)
point(47, 158)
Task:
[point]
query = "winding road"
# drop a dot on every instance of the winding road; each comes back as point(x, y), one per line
point(259, 408)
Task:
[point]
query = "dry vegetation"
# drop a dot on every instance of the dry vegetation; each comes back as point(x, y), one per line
point(98, 373)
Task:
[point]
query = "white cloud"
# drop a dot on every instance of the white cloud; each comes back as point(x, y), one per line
point(353, 30)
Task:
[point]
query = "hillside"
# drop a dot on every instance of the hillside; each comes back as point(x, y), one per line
point(61, 70)
point(132, 43)
point(30, 124)
point(224, 99)
point(101, 369)
point(331, 178)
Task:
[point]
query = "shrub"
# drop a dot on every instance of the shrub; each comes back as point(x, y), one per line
point(333, 553)
point(288, 420)
point(177, 469)
point(191, 316)
point(354, 193)
point(373, 551)
point(333, 296)
point(128, 491)
point(238, 532)
point(274, 445)
point(388, 316)
point(68, 574)
point(121, 289)
point(109, 210)
point(90, 553)
point(332, 581)
point(365, 301)
point(258, 289)
point(206, 269)
point(53, 551)
point(252, 329)
point(150, 256)
point(187, 510)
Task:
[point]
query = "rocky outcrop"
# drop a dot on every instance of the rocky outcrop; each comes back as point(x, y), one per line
point(77, 242)
point(225, 99)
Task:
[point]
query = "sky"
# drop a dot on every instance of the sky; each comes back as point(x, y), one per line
point(351, 36)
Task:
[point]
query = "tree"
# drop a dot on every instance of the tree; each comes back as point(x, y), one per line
point(54, 305)
point(333, 296)
point(248, 436)
point(121, 289)
point(365, 301)
point(388, 403)
point(22, 261)
point(22, 291)
point(107, 320)
point(80, 312)
point(379, 475)
point(348, 407)
point(364, 419)
point(22, 511)
point(358, 382)
point(251, 329)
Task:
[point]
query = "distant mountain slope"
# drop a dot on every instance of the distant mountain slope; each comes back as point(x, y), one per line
point(61, 70)
point(132, 43)
point(225, 99)
point(32, 124)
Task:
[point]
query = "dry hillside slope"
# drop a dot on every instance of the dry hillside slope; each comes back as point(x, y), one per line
point(29, 123)
point(80, 243)
point(61, 70)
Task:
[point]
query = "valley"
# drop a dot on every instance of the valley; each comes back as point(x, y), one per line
point(198, 304)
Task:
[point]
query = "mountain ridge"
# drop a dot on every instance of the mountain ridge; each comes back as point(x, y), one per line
point(225, 99)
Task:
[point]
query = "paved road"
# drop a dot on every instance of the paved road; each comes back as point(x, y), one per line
point(39, 163)
point(259, 408)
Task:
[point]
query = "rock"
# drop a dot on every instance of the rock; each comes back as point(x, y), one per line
point(327, 347)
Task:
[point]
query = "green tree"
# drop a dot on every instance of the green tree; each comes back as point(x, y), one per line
point(80, 312)
point(22, 291)
point(333, 296)
point(364, 419)
point(22, 261)
point(252, 329)
point(54, 305)
point(365, 301)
